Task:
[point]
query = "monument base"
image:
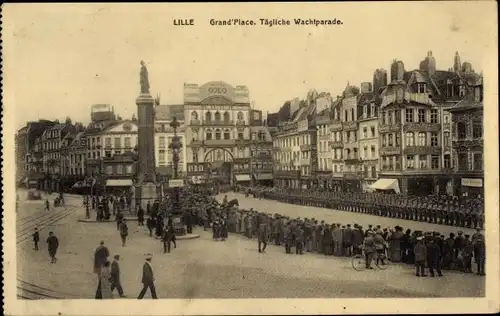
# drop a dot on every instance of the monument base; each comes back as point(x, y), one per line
point(143, 194)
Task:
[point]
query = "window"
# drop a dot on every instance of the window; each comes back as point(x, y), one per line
point(449, 90)
point(365, 132)
point(372, 131)
point(434, 139)
point(434, 116)
point(461, 90)
point(372, 109)
point(109, 169)
point(240, 116)
point(477, 129)
point(410, 141)
point(398, 139)
point(421, 139)
point(365, 111)
point(161, 156)
point(421, 116)
point(391, 140)
point(365, 152)
point(119, 169)
point(194, 116)
point(463, 164)
point(422, 160)
point(208, 135)
point(373, 152)
point(227, 134)
point(447, 161)
point(384, 140)
point(195, 156)
point(421, 88)
point(410, 162)
point(107, 142)
point(435, 162)
point(107, 153)
point(478, 161)
point(409, 115)
point(374, 172)
point(241, 153)
point(217, 116)
point(127, 142)
point(262, 136)
point(226, 117)
point(346, 116)
point(240, 135)
point(252, 153)
point(461, 130)
point(208, 116)
point(383, 117)
point(446, 138)
point(118, 142)
point(446, 119)
point(162, 142)
point(390, 117)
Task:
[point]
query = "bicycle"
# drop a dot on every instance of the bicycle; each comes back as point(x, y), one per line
point(359, 264)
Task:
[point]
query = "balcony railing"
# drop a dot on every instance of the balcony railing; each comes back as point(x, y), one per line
point(336, 144)
point(219, 123)
point(305, 147)
point(390, 151)
point(195, 122)
point(350, 126)
point(422, 150)
point(219, 142)
point(390, 128)
point(421, 127)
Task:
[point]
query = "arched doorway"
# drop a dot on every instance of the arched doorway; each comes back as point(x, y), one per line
point(219, 165)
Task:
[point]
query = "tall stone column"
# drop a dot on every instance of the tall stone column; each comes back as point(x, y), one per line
point(146, 173)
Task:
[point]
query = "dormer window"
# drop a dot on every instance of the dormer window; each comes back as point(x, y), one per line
point(365, 111)
point(461, 90)
point(372, 110)
point(399, 95)
point(477, 94)
point(421, 88)
point(450, 91)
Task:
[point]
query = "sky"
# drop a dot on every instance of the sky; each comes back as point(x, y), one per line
point(59, 59)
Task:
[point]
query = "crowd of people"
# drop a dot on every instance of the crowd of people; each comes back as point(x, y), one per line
point(443, 209)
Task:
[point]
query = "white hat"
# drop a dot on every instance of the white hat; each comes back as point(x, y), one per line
point(148, 256)
point(420, 238)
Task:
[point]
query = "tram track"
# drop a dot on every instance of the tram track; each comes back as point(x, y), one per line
point(24, 229)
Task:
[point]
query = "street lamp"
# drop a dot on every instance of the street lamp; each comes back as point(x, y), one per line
point(175, 146)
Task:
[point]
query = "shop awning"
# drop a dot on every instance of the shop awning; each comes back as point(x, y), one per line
point(265, 176)
point(386, 184)
point(242, 177)
point(119, 183)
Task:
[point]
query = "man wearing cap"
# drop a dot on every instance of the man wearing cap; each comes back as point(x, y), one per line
point(147, 278)
point(420, 252)
point(115, 276)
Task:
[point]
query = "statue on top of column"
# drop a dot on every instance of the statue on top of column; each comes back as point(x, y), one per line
point(144, 78)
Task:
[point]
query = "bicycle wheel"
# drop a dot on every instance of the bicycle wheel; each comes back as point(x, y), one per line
point(382, 262)
point(358, 262)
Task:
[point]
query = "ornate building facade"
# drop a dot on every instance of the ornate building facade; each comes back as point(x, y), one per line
point(218, 134)
point(414, 126)
point(468, 145)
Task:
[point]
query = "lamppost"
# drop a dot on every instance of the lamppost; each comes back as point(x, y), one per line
point(175, 146)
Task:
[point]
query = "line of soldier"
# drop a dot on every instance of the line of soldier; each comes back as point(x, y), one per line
point(432, 209)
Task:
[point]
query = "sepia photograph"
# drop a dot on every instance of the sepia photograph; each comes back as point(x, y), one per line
point(250, 158)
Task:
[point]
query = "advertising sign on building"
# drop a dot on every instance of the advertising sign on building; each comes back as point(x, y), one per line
point(477, 183)
point(176, 183)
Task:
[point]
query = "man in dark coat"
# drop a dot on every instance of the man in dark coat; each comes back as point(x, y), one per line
point(36, 239)
point(299, 240)
point(433, 257)
point(53, 245)
point(262, 237)
point(147, 278)
point(140, 216)
point(115, 276)
point(150, 223)
point(168, 234)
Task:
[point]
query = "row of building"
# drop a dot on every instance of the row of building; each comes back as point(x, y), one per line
point(419, 132)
